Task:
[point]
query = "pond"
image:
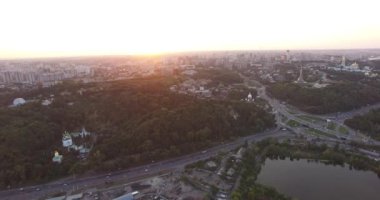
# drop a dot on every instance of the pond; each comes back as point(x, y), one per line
point(315, 181)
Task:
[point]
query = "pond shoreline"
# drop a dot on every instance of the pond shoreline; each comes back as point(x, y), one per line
point(303, 179)
point(322, 156)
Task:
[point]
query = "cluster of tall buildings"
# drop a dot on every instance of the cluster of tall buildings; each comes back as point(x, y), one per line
point(30, 77)
point(45, 74)
point(229, 59)
point(50, 72)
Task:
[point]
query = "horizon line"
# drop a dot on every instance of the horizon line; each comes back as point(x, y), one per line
point(175, 52)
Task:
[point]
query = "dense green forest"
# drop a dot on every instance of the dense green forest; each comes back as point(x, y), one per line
point(135, 121)
point(354, 78)
point(368, 123)
point(333, 98)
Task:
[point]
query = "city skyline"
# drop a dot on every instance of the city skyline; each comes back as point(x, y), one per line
point(88, 28)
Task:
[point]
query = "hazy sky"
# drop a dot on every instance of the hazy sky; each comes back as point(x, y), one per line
point(39, 28)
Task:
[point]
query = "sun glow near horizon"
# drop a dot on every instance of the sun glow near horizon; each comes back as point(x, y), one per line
point(45, 28)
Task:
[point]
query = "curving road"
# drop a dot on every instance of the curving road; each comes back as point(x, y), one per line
point(136, 173)
point(282, 109)
point(132, 174)
point(342, 116)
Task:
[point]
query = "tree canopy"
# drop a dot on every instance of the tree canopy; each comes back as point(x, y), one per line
point(135, 121)
point(368, 123)
point(333, 98)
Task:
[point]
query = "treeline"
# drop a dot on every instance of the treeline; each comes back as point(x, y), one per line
point(335, 156)
point(168, 132)
point(258, 192)
point(353, 78)
point(333, 98)
point(219, 76)
point(239, 93)
point(345, 76)
point(135, 122)
point(28, 138)
point(248, 188)
point(368, 123)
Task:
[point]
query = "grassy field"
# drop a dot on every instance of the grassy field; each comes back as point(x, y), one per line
point(316, 132)
point(293, 123)
point(331, 126)
point(343, 130)
point(311, 118)
point(291, 112)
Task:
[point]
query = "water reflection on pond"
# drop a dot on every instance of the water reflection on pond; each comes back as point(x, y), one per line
point(315, 181)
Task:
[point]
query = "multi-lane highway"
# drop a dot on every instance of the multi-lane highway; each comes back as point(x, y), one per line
point(132, 174)
point(280, 108)
point(342, 116)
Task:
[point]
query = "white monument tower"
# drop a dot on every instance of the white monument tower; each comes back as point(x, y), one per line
point(343, 61)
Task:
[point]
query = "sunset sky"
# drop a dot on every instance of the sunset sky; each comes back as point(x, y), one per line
point(45, 28)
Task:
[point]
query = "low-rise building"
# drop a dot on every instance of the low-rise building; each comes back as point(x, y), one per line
point(67, 140)
point(19, 102)
point(57, 158)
